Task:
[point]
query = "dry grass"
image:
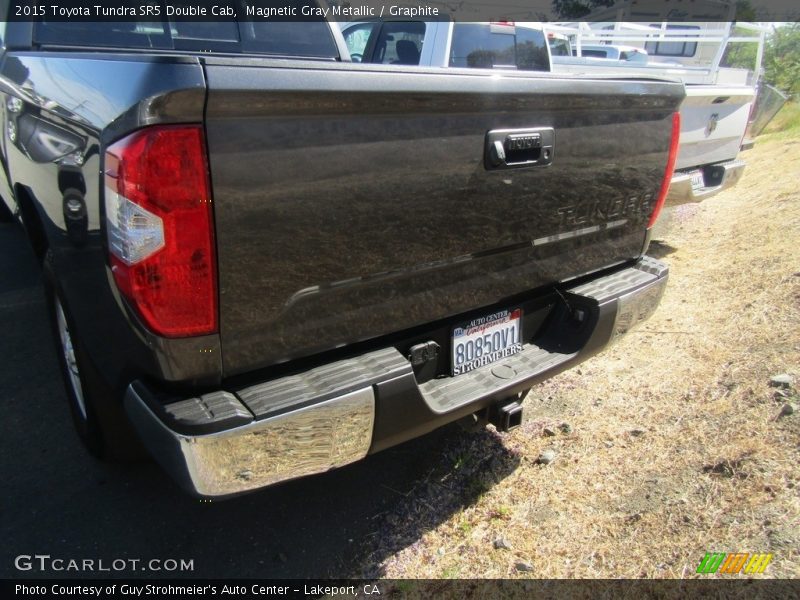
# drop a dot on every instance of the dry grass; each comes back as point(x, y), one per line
point(674, 449)
point(786, 123)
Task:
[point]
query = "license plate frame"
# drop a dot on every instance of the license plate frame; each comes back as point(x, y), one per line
point(485, 340)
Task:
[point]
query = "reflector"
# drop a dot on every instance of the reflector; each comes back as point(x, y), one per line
point(133, 232)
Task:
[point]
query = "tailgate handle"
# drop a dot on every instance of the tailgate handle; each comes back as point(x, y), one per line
point(514, 148)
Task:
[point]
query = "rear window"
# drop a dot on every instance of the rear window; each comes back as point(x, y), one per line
point(307, 39)
point(281, 38)
point(488, 46)
point(109, 35)
point(399, 43)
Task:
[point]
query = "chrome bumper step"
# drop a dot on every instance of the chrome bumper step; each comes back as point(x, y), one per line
point(230, 442)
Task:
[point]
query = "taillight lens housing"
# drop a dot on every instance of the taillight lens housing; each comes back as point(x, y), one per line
point(159, 224)
point(670, 170)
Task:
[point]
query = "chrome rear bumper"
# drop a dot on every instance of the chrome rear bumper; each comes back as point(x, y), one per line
point(716, 178)
point(302, 442)
point(226, 443)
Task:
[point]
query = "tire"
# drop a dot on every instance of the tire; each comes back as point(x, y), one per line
point(5, 213)
point(96, 410)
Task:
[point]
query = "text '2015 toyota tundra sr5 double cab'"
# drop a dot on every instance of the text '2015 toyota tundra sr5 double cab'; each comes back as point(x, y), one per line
point(263, 261)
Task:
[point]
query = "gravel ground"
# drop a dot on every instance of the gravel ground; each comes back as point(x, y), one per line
point(673, 443)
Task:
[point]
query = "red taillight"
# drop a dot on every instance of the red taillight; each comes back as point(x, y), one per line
point(673, 155)
point(160, 228)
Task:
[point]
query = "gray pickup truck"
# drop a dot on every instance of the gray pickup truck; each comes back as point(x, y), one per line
point(263, 261)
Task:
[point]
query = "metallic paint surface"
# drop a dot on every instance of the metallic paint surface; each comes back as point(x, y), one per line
point(82, 95)
point(354, 202)
point(350, 200)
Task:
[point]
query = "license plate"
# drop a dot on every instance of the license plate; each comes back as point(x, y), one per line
point(486, 339)
point(697, 180)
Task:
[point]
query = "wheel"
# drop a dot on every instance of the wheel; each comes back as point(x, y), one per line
point(96, 414)
point(85, 420)
point(83, 415)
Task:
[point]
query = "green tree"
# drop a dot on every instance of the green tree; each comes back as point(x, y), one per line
point(782, 58)
point(781, 61)
point(569, 10)
point(741, 54)
point(745, 11)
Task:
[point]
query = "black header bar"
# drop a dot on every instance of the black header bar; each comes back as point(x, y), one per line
point(357, 10)
point(385, 589)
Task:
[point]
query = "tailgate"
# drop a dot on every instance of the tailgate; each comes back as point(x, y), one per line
point(353, 202)
point(713, 122)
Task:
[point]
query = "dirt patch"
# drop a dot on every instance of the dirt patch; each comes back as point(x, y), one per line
point(676, 443)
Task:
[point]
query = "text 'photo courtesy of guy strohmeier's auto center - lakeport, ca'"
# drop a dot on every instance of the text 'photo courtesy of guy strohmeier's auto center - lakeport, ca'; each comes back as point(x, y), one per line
point(318, 299)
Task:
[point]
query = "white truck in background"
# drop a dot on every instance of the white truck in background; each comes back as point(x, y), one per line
point(714, 115)
point(719, 99)
point(496, 45)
